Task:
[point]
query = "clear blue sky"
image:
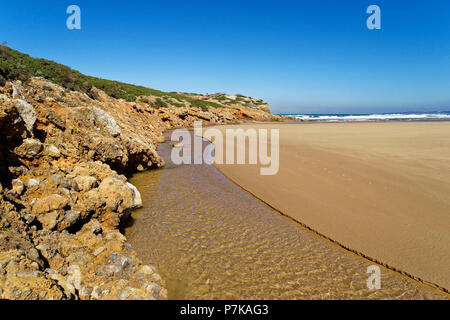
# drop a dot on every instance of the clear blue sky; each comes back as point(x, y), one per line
point(301, 56)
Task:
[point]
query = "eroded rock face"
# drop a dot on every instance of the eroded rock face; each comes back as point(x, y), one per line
point(107, 121)
point(12, 126)
point(116, 194)
point(86, 183)
point(49, 203)
point(52, 151)
point(29, 149)
point(64, 190)
point(27, 113)
point(136, 196)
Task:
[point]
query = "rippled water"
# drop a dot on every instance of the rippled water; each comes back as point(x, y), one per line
point(209, 239)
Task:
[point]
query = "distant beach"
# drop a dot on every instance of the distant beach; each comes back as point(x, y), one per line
point(397, 116)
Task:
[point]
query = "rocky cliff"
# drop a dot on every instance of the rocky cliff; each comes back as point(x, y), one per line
point(64, 161)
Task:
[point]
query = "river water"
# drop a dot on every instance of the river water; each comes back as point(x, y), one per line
point(209, 239)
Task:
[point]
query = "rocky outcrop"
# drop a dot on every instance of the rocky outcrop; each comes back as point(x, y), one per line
point(27, 113)
point(107, 121)
point(64, 161)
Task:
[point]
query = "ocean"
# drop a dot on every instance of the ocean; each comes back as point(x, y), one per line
point(399, 116)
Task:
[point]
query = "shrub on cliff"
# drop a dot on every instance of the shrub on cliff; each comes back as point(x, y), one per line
point(159, 104)
point(204, 105)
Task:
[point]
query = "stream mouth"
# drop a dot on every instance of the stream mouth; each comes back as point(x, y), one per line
point(209, 239)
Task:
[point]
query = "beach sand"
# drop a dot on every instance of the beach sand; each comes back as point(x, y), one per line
point(379, 189)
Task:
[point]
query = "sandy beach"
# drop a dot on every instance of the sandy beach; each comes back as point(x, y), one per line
point(380, 189)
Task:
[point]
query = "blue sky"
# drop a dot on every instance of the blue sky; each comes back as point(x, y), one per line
point(300, 56)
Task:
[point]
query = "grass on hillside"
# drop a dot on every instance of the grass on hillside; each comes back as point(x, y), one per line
point(15, 65)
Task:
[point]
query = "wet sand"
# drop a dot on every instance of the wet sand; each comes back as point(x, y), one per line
point(380, 189)
point(209, 239)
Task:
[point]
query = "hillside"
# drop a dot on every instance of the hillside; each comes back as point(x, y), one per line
point(15, 65)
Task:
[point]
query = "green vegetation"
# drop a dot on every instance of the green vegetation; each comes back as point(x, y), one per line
point(177, 104)
point(221, 98)
point(15, 65)
point(204, 105)
point(159, 104)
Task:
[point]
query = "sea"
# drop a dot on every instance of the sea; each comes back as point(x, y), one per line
point(399, 116)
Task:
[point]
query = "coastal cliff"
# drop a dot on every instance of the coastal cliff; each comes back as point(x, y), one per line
point(66, 153)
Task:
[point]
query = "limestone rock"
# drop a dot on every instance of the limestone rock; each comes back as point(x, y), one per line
point(56, 120)
point(27, 113)
point(85, 292)
point(17, 186)
point(52, 151)
point(17, 93)
point(107, 121)
point(117, 194)
point(93, 227)
point(98, 94)
point(137, 200)
point(33, 183)
point(70, 218)
point(120, 260)
point(146, 269)
point(30, 148)
point(86, 183)
point(49, 203)
point(124, 293)
point(99, 251)
point(96, 293)
point(12, 127)
point(115, 236)
point(154, 290)
point(49, 220)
